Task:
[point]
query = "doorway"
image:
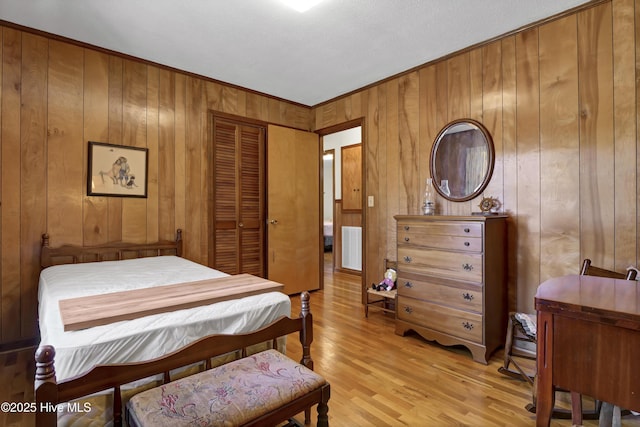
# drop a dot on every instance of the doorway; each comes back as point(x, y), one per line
point(343, 196)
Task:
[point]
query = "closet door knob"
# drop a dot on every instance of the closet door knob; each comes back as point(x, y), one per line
point(272, 221)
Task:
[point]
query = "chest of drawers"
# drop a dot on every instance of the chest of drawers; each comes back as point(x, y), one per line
point(452, 280)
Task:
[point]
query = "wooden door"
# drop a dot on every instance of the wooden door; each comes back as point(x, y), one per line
point(238, 198)
point(351, 172)
point(293, 209)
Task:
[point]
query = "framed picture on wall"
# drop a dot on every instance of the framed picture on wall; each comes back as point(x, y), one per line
point(117, 170)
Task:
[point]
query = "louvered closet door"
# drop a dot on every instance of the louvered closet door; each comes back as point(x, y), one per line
point(238, 175)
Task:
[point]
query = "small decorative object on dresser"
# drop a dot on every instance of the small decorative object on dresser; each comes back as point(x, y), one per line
point(488, 206)
point(452, 281)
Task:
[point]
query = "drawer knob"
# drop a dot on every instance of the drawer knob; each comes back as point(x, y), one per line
point(468, 326)
point(406, 228)
point(407, 259)
point(467, 230)
point(406, 239)
point(467, 267)
point(408, 285)
point(467, 243)
point(408, 309)
point(467, 296)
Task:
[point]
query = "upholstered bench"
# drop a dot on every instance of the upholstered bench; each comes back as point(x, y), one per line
point(235, 394)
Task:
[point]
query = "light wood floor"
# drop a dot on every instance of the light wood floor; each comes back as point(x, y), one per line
point(377, 378)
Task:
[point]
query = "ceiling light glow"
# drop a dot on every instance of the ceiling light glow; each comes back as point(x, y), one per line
point(301, 5)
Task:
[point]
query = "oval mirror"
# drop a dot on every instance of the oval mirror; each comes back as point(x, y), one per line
point(462, 160)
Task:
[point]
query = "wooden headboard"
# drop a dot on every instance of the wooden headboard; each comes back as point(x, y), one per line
point(69, 254)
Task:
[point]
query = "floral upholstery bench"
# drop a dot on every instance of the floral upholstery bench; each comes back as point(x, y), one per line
point(262, 389)
point(232, 394)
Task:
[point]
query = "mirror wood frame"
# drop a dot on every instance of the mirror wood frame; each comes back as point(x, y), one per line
point(490, 159)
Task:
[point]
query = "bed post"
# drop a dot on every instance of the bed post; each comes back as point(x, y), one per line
point(306, 337)
point(306, 334)
point(179, 242)
point(46, 390)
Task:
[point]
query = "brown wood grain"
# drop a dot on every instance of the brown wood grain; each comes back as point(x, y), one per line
point(624, 129)
point(96, 128)
point(559, 148)
point(527, 230)
point(510, 161)
point(116, 85)
point(134, 133)
point(596, 135)
point(166, 154)
point(95, 310)
point(11, 207)
point(33, 173)
point(152, 143)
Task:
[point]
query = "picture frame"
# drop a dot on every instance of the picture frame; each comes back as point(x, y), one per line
point(117, 170)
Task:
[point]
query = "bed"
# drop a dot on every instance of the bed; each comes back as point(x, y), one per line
point(71, 272)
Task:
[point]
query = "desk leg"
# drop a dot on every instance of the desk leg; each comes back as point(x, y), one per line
point(545, 399)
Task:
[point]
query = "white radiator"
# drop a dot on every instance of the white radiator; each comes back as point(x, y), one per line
point(352, 248)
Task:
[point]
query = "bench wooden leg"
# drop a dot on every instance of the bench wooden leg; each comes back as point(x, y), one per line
point(323, 418)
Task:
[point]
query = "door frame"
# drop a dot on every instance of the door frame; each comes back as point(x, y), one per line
point(337, 128)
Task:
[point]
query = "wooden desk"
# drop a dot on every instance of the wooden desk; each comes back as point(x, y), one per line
point(588, 341)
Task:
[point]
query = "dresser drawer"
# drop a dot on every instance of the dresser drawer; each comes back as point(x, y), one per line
point(459, 323)
point(458, 243)
point(469, 299)
point(463, 229)
point(465, 266)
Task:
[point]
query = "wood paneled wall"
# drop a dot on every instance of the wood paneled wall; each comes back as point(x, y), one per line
point(561, 102)
point(559, 99)
point(56, 96)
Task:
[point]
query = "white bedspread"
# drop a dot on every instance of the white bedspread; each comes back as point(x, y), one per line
point(146, 337)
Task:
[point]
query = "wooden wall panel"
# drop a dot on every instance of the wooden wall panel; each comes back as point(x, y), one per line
point(33, 171)
point(526, 211)
point(596, 136)
point(96, 128)
point(408, 122)
point(372, 164)
point(116, 104)
point(624, 134)
point(64, 143)
point(134, 133)
point(11, 182)
point(510, 158)
point(559, 147)
point(166, 154)
point(153, 129)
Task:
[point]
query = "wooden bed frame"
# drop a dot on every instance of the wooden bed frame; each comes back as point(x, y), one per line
point(49, 393)
point(69, 254)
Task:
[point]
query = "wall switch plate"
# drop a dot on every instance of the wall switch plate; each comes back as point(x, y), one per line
point(370, 201)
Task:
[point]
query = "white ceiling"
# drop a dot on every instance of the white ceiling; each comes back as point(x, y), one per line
point(336, 47)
